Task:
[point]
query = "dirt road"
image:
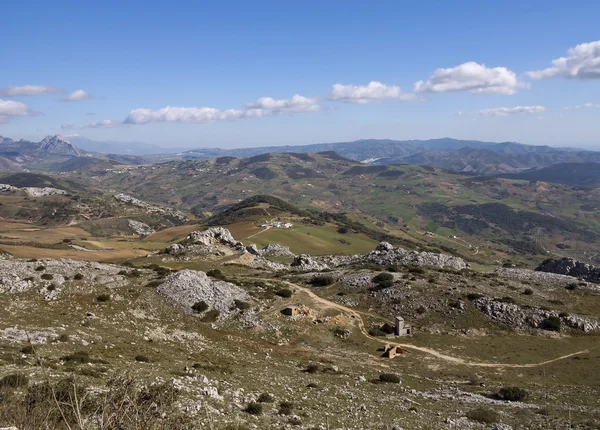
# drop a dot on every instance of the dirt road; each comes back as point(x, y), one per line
point(433, 352)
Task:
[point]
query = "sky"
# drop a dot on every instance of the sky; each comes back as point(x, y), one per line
point(238, 73)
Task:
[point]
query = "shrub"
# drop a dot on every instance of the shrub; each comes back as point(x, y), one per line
point(286, 408)
point(312, 368)
point(563, 314)
point(528, 292)
point(416, 270)
point(241, 305)
point(265, 398)
point(200, 306)
point(103, 298)
point(572, 286)
point(78, 357)
point(383, 276)
point(483, 415)
point(385, 284)
point(389, 377)
point(40, 268)
point(51, 287)
point(552, 323)
point(27, 349)
point(254, 408)
point(322, 281)
point(142, 358)
point(47, 276)
point(343, 230)
point(285, 293)
point(513, 394)
point(78, 276)
point(14, 380)
point(211, 316)
point(63, 338)
point(474, 296)
point(215, 273)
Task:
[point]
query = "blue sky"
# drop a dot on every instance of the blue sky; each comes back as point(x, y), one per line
point(263, 73)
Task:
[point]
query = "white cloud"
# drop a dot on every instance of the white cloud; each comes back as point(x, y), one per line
point(581, 62)
point(182, 114)
point(583, 106)
point(76, 96)
point(270, 106)
point(372, 92)
point(473, 77)
point(504, 111)
point(28, 90)
point(105, 123)
point(265, 106)
point(10, 109)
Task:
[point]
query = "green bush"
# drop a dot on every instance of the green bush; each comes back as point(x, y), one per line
point(254, 408)
point(528, 292)
point(513, 394)
point(386, 284)
point(215, 273)
point(383, 276)
point(78, 276)
point(103, 298)
point(322, 281)
point(389, 377)
point(241, 305)
point(286, 408)
point(40, 268)
point(552, 323)
point(142, 358)
point(27, 349)
point(312, 368)
point(47, 276)
point(474, 296)
point(265, 398)
point(285, 293)
point(483, 415)
point(417, 270)
point(200, 306)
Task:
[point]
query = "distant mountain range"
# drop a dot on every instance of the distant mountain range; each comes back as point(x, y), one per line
point(59, 153)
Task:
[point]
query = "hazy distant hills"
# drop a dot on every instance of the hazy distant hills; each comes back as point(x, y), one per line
point(573, 174)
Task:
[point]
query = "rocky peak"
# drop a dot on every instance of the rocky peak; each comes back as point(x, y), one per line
point(5, 140)
point(59, 145)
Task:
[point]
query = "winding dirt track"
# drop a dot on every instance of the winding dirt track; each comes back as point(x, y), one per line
point(433, 352)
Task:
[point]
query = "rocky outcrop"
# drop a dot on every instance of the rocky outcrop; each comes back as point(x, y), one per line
point(270, 250)
point(518, 317)
point(188, 287)
point(276, 250)
point(385, 255)
point(570, 267)
point(34, 191)
point(17, 276)
point(215, 240)
point(305, 263)
point(150, 208)
point(140, 228)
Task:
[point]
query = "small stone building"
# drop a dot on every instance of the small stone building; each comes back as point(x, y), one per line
point(402, 329)
point(290, 310)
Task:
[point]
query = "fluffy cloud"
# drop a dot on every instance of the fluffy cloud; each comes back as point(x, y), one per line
point(473, 77)
point(105, 123)
point(76, 96)
point(270, 106)
point(504, 111)
point(182, 114)
point(28, 90)
point(265, 106)
point(10, 109)
point(372, 92)
point(581, 62)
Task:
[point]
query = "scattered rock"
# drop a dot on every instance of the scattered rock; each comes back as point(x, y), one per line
point(140, 228)
point(305, 262)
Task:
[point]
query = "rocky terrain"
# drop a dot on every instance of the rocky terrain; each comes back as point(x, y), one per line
point(571, 267)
